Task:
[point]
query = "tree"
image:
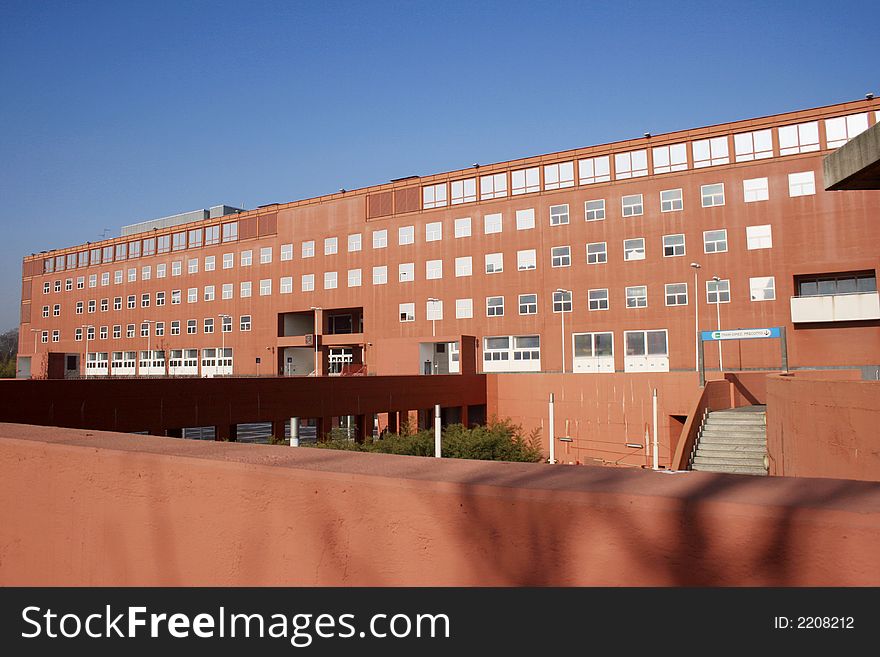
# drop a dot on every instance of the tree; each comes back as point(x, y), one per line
point(8, 353)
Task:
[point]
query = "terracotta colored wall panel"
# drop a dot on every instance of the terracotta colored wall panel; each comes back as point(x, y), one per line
point(122, 510)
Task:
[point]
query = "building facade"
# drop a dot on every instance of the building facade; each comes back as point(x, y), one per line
point(583, 261)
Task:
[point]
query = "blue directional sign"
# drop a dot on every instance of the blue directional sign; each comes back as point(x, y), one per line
point(741, 334)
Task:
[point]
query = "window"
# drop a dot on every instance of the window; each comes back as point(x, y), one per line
point(245, 289)
point(750, 146)
point(82, 259)
point(117, 279)
point(160, 329)
point(132, 301)
point(93, 278)
point(755, 189)
point(307, 283)
point(79, 307)
point(226, 323)
point(117, 303)
point(831, 284)
point(841, 129)
point(525, 181)
point(526, 260)
point(285, 287)
point(433, 309)
point(160, 270)
point(121, 251)
point(464, 308)
point(81, 281)
point(496, 349)
point(331, 246)
point(176, 266)
point(673, 245)
point(56, 309)
point(230, 231)
point(528, 304)
point(145, 300)
point(245, 258)
point(493, 186)
point(380, 275)
point(195, 238)
point(464, 191)
point(209, 293)
point(209, 263)
point(244, 323)
point(132, 276)
point(175, 327)
point(712, 195)
point(632, 205)
point(163, 244)
point(593, 345)
point(175, 297)
point(105, 280)
point(209, 325)
point(92, 306)
point(90, 333)
point(759, 237)
point(117, 331)
point(494, 263)
point(191, 326)
point(558, 215)
point(631, 165)
point(160, 299)
point(670, 200)
point(634, 249)
point(406, 272)
point(762, 288)
point(715, 241)
point(407, 312)
point(525, 219)
point(129, 331)
point(669, 158)
point(354, 244)
point(494, 306)
point(434, 196)
point(107, 254)
point(434, 231)
point(287, 249)
point(676, 294)
point(380, 239)
point(711, 152)
point(637, 296)
point(560, 256)
point(801, 184)
point(800, 138)
point(594, 210)
point(562, 301)
point(47, 287)
point(718, 291)
point(178, 241)
point(192, 266)
point(406, 235)
point(558, 176)
point(145, 329)
point(597, 253)
point(149, 246)
point(492, 223)
point(463, 227)
point(192, 295)
point(46, 311)
point(266, 286)
point(354, 278)
point(645, 343)
point(594, 170)
point(308, 249)
point(597, 299)
point(433, 269)
point(266, 252)
point(329, 281)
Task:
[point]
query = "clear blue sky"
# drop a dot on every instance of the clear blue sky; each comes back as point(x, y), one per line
point(115, 112)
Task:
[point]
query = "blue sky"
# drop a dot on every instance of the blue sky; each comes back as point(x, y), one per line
point(117, 112)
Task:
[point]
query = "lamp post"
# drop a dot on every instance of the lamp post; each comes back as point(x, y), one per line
point(222, 317)
point(433, 301)
point(86, 327)
point(718, 318)
point(149, 336)
point(562, 312)
point(696, 266)
point(34, 357)
point(316, 309)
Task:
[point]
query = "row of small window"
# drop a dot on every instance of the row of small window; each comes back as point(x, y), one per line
point(715, 151)
point(155, 358)
point(584, 345)
point(148, 246)
point(762, 288)
point(131, 330)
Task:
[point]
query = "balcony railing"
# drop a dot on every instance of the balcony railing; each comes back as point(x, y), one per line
point(855, 306)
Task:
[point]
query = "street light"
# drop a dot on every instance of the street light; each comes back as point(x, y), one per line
point(718, 317)
point(223, 316)
point(433, 316)
point(34, 357)
point(149, 335)
point(316, 309)
point(86, 355)
point(696, 266)
point(562, 312)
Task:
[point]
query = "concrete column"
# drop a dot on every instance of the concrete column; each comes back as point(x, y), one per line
point(294, 432)
point(278, 427)
point(361, 428)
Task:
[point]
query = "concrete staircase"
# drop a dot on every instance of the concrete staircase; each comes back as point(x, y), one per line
point(732, 441)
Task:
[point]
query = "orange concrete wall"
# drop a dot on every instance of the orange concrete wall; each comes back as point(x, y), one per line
point(599, 412)
point(820, 427)
point(116, 509)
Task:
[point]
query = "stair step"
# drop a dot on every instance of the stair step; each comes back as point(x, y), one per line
point(709, 446)
point(749, 431)
point(735, 423)
point(732, 440)
point(732, 469)
point(729, 459)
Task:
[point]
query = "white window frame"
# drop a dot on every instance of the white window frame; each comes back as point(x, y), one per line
point(636, 296)
point(407, 312)
point(711, 196)
point(801, 183)
point(331, 246)
point(493, 307)
point(434, 231)
point(595, 213)
point(632, 205)
point(525, 181)
point(711, 152)
point(759, 237)
point(307, 283)
point(526, 260)
point(632, 164)
point(462, 227)
point(464, 308)
point(493, 223)
point(463, 191)
point(464, 266)
point(706, 241)
point(559, 175)
point(601, 257)
point(671, 200)
point(798, 138)
point(669, 158)
point(493, 186)
point(354, 278)
point(560, 256)
point(529, 301)
point(493, 263)
point(592, 170)
point(406, 272)
point(631, 251)
point(380, 275)
point(720, 288)
point(380, 239)
point(597, 299)
point(673, 291)
point(331, 280)
point(755, 145)
point(759, 286)
point(406, 235)
point(434, 196)
point(559, 214)
point(525, 219)
point(355, 242)
point(755, 190)
point(433, 269)
point(671, 242)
